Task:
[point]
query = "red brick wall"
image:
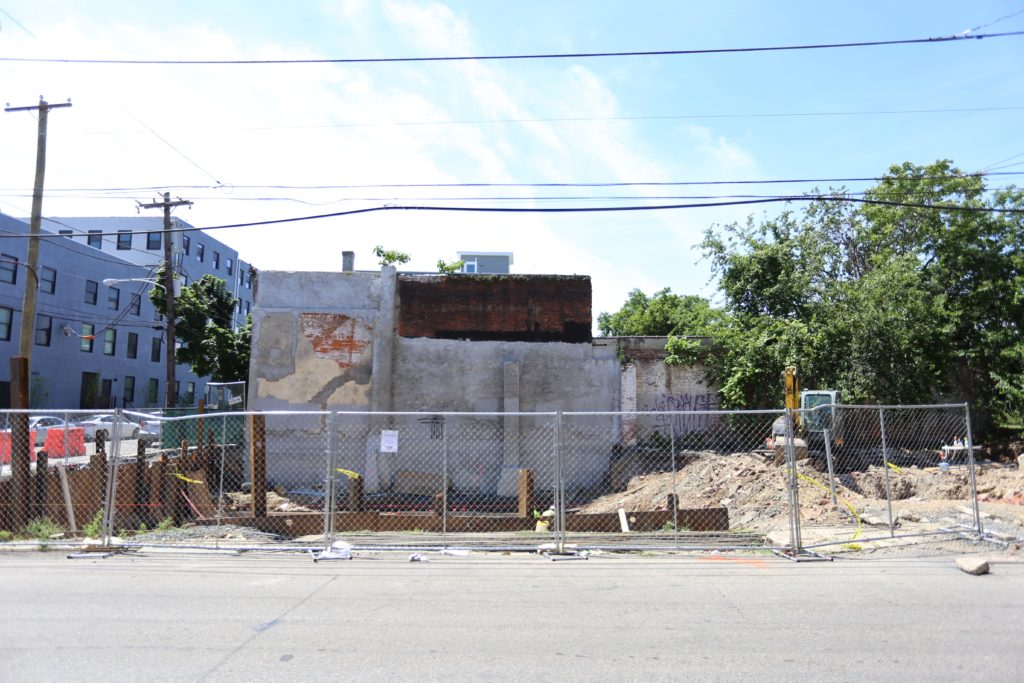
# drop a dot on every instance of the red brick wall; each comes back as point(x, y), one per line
point(495, 307)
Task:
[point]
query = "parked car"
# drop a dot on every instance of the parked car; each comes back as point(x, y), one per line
point(104, 424)
point(41, 424)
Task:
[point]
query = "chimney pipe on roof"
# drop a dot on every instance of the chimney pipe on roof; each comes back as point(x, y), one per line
point(348, 261)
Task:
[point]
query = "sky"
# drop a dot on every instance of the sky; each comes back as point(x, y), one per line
point(273, 141)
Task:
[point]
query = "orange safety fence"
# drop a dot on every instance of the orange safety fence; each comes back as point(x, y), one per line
point(60, 443)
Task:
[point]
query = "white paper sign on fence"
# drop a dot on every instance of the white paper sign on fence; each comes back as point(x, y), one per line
point(389, 441)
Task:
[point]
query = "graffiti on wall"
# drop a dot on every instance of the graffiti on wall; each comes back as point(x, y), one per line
point(677, 410)
point(336, 337)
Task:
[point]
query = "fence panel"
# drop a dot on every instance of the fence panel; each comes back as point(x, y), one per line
point(701, 479)
point(869, 475)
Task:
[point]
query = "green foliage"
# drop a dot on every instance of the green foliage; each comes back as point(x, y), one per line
point(94, 528)
point(41, 528)
point(887, 303)
point(449, 268)
point(390, 256)
point(165, 524)
point(661, 314)
point(204, 313)
point(5, 536)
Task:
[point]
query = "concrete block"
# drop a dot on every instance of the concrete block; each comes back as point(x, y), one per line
point(973, 565)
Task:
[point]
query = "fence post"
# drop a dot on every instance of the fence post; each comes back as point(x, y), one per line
point(444, 483)
point(559, 485)
point(970, 461)
point(110, 504)
point(672, 500)
point(42, 470)
point(141, 498)
point(526, 504)
point(258, 464)
point(885, 469)
point(21, 467)
point(223, 453)
point(831, 470)
point(793, 484)
point(330, 484)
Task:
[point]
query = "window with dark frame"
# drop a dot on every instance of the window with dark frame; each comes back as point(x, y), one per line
point(47, 280)
point(153, 392)
point(92, 290)
point(186, 244)
point(153, 240)
point(9, 269)
point(135, 303)
point(113, 298)
point(229, 265)
point(95, 239)
point(109, 342)
point(88, 330)
point(44, 329)
point(133, 345)
point(216, 260)
point(200, 251)
point(154, 350)
point(124, 240)
point(66, 233)
point(129, 390)
point(6, 320)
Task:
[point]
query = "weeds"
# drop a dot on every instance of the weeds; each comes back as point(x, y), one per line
point(6, 536)
point(94, 528)
point(41, 528)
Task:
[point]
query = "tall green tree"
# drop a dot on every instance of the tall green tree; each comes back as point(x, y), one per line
point(892, 301)
point(204, 315)
point(660, 314)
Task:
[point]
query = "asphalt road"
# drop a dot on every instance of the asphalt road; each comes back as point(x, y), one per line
point(505, 618)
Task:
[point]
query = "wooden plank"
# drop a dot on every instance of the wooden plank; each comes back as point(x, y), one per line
point(258, 464)
point(526, 502)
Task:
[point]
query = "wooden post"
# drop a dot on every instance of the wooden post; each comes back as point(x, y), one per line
point(97, 492)
point(355, 493)
point(673, 501)
point(258, 464)
point(439, 504)
point(526, 505)
point(200, 441)
point(21, 450)
point(160, 488)
point(101, 442)
point(140, 500)
point(42, 471)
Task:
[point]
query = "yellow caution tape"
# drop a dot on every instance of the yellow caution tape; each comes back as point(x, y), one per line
point(349, 473)
point(894, 468)
point(185, 479)
point(853, 511)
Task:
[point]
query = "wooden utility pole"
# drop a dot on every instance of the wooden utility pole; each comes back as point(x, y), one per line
point(171, 395)
point(28, 306)
point(21, 448)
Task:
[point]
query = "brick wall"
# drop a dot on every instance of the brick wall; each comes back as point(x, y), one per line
point(542, 308)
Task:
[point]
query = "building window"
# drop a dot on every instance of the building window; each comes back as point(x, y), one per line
point(92, 289)
point(129, 389)
point(186, 244)
point(8, 269)
point(109, 342)
point(469, 267)
point(154, 350)
point(230, 266)
point(44, 326)
point(124, 240)
point(113, 298)
point(153, 391)
point(95, 239)
point(191, 396)
point(248, 279)
point(66, 233)
point(247, 308)
point(200, 251)
point(47, 280)
point(216, 260)
point(133, 345)
point(6, 318)
point(87, 337)
point(135, 303)
point(177, 388)
point(153, 240)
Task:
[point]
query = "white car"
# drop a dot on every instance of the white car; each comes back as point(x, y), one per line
point(104, 424)
point(41, 424)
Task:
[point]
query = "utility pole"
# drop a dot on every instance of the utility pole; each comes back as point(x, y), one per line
point(171, 395)
point(21, 449)
point(19, 377)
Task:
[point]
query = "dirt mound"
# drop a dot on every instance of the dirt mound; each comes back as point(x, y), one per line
point(754, 490)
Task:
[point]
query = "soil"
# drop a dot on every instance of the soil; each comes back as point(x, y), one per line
point(753, 489)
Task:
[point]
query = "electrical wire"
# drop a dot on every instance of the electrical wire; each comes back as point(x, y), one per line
point(482, 58)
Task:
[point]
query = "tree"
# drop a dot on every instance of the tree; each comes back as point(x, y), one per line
point(449, 268)
point(894, 302)
point(204, 316)
point(663, 313)
point(390, 256)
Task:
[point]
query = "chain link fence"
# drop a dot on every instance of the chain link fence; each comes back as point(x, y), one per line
point(832, 479)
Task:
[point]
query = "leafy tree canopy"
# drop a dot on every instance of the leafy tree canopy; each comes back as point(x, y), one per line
point(390, 256)
point(888, 302)
point(203, 323)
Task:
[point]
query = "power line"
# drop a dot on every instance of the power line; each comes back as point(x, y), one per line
point(482, 58)
point(153, 188)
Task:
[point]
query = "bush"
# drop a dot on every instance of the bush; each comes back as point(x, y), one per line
point(94, 529)
point(41, 528)
point(5, 535)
